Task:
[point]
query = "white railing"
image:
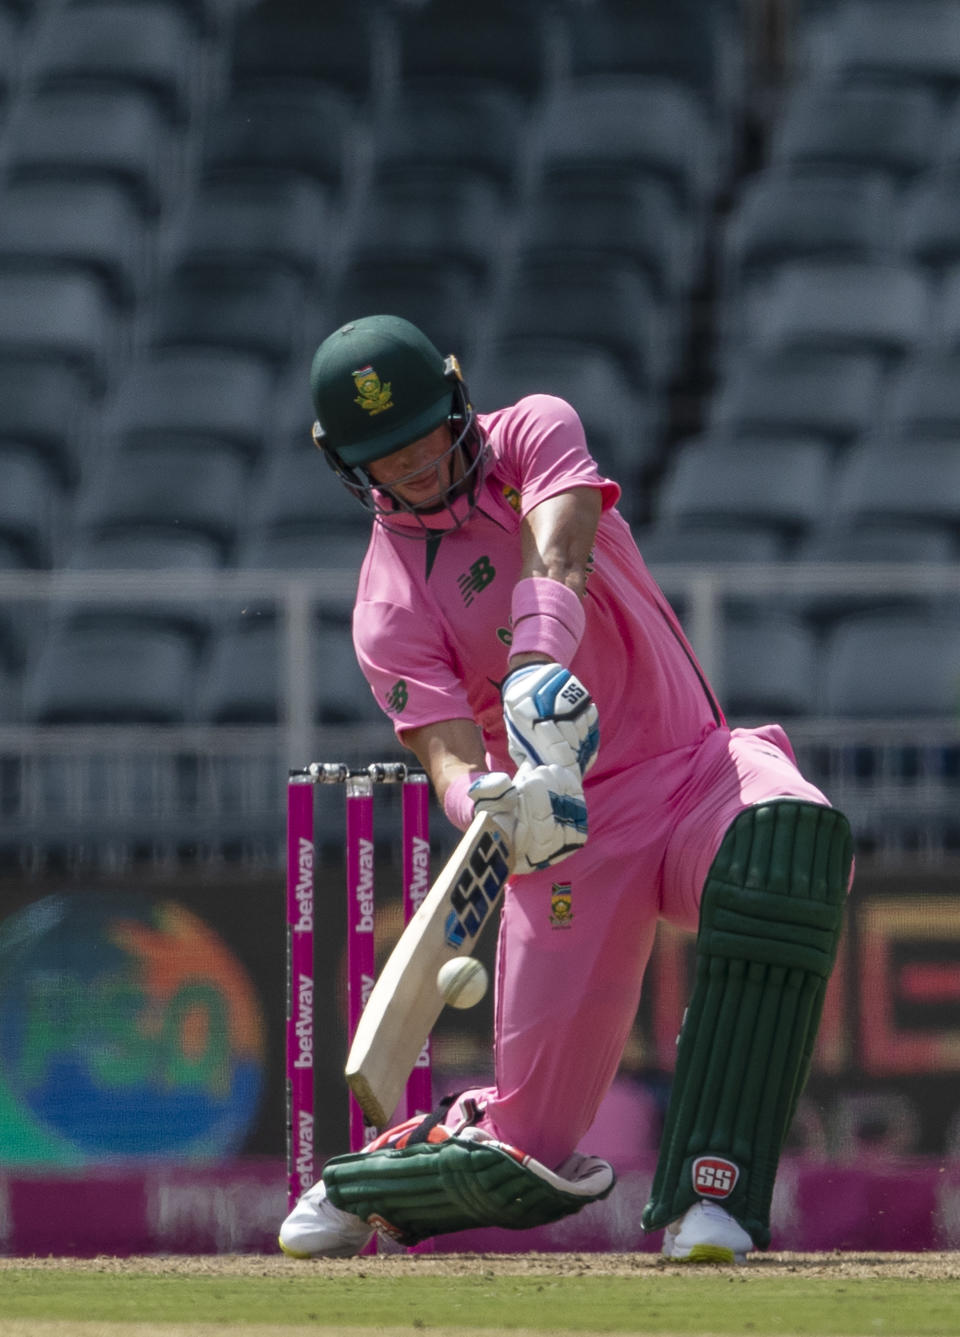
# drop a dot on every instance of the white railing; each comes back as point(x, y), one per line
point(871, 768)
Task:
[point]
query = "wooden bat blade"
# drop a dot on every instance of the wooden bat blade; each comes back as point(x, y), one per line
point(405, 1002)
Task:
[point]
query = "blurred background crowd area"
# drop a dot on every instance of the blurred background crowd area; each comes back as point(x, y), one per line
point(727, 232)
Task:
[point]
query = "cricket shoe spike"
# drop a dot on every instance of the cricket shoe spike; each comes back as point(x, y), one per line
point(706, 1234)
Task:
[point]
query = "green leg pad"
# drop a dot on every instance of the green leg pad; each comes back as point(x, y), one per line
point(435, 1188)
point(770, 922)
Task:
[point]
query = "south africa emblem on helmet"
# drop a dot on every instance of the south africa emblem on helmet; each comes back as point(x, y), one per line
point(372, 394)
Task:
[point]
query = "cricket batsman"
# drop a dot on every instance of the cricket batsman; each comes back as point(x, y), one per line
point(507, 625)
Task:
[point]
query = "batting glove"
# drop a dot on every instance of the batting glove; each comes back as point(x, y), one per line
point(550, 717)
point(541, 811)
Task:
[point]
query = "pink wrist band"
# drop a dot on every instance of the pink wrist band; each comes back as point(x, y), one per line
point(457, 803)
point(547, 618)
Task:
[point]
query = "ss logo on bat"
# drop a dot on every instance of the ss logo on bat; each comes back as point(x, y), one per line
point(476, 890)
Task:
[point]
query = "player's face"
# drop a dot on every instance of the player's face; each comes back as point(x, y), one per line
point(421, 473)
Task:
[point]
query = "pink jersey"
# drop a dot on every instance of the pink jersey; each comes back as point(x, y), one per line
point(432, 620)
point(432, 630)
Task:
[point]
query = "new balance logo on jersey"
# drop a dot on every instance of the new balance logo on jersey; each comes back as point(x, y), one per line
point(714, 1177)
point(476, 579)
point(397, 697)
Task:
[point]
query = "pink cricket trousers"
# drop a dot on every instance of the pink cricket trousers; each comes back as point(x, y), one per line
point(568, 986)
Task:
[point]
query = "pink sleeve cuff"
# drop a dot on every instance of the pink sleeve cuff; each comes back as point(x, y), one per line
point(457, 803)
point(548, 618)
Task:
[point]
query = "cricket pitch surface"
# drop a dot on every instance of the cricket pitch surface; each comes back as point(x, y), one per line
point(477, 1295)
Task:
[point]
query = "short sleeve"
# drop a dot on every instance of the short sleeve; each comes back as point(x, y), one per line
point(548, 450)
point(421, 685)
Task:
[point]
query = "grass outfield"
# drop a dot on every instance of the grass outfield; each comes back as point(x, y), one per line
point(849, 1295)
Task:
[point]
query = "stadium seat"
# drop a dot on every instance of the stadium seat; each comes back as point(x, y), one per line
point(949, 304)
point(208, 393)
point(915, 43)
point(10, 694)
point(116, 675)
point(31, 504)
point(298, 492)
point(193, 486)
point(18, 626)
point(273, 134)
point(898, 481)
point(600, 303)
point(45, 405)
point(503, 46)
point(342, 695)
point(621, 424)
point(871, 308)
point(929, 231)
point(284, 43)
point(241, 311)
point(57, 319)
point(631, 128)
point(117, 137)
point(307, 549)
point(865, 128)
point(769, 669)
point(284, 225)
point(891, 666)
point(479, 130)
point(637, 222)
point(666, 544)
point(455, 220)
point(147, 551)
point(87, 227)
point(108, 44)
point(669, 544)
point(240, 682)
point(781, 216)
point(923, 396)
point(871, 545)
point(441, 300)
point(831, 395)
point(781, 484)
point(8, 56)
point(207, 18)
point(682, 41)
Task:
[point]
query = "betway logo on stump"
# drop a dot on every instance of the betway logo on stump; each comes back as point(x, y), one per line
point(304, 1151)
point(303, 1027)
point(363, 891)
point(714, 1177)
point(303, 891)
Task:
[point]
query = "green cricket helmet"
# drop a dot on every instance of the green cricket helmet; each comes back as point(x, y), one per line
point(378, 384)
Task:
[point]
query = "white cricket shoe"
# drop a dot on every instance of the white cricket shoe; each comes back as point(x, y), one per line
point(317, 1229)
point(706, 1234)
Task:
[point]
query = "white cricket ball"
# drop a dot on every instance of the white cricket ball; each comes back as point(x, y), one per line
point(463, 981)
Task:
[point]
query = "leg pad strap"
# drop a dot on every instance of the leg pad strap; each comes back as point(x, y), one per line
point(770, 922)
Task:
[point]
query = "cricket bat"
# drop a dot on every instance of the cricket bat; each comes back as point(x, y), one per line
point(405, 1002)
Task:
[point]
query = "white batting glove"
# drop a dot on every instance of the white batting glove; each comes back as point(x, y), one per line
point(541, 811)
point(551, 718)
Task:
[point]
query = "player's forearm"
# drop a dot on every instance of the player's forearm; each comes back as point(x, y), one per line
point(558, 537)
point(446, 751)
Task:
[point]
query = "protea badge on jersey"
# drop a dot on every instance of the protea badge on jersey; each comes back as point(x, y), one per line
point(378, 384)
point(770, 922)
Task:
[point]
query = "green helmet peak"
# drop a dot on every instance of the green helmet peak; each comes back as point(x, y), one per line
point(377, 384)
